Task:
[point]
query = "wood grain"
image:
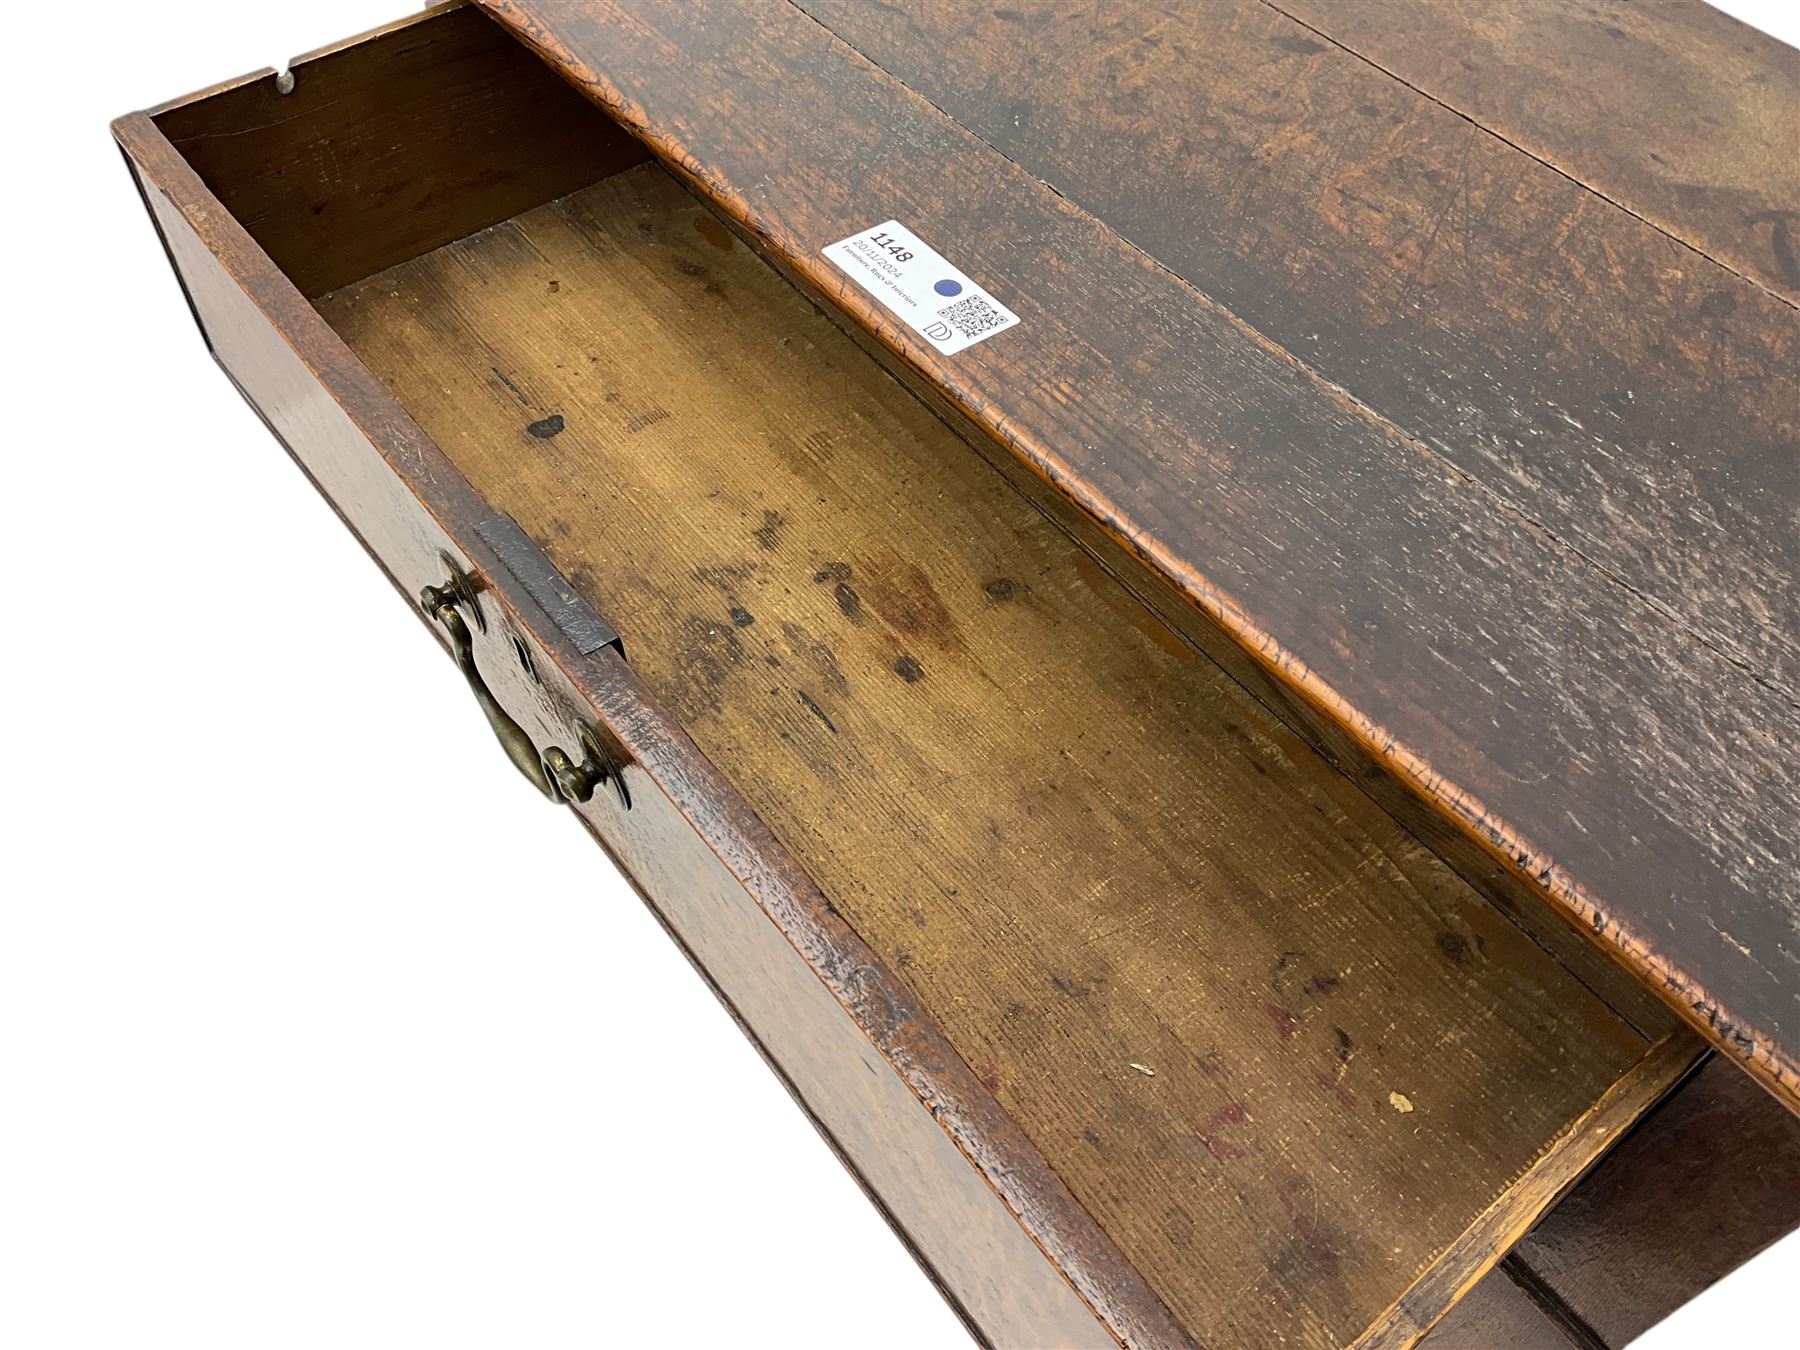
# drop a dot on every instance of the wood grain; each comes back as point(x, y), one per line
point(995, 1229)
point(1497, 1315)
point(1602, 747)
point(1675, 110)
point(1260, 1031)
point(1710, 1179)
point(1631, 397)
point(1707, 1180)
point(393, 144)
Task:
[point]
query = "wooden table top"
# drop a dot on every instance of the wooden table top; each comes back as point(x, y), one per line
point(1445, 356)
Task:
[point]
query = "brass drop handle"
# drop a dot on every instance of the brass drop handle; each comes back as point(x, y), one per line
point(440, 603)
point(552, 773)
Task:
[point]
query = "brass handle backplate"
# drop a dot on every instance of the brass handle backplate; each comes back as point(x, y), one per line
point(440, 602)
point(553, 773)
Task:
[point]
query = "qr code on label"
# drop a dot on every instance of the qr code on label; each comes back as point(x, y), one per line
point(974, 316)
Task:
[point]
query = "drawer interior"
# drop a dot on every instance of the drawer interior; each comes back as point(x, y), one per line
point(1289, 1059)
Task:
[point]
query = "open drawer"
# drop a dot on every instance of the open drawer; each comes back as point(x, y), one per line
point(1140, 1019)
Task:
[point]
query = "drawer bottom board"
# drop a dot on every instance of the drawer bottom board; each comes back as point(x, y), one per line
point(1289, 1060)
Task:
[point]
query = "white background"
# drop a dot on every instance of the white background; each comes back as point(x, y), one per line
point(316, 1026)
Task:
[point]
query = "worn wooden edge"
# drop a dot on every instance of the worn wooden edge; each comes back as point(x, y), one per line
point(423, 15)
point(329, 49)
point(201, 95)
point(1769, 1062)
point(1506, 1222)
point(874, 999)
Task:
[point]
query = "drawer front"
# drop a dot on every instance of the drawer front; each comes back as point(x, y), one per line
point(980, 1209)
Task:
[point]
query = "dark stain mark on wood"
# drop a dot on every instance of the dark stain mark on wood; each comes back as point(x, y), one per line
point(706, 652)
point(816, 655)
point(806, 699)
point(907, 667)
point(1315, 1242)
point(832, 571)
point(1211, 1132)
point(741, 617)
point(1285, 1022)
point(1456, 948)
point(767, 534)
point(714, 233)
point(725, 577)
point(581, 577)
point(901, 593)
point(1140, 618)
point(989, 1074)
point(500, 375)
point(1334, 1085)
point(1079, 990)
point(847, 601)
point(1294, 43)
point(546, 427)
point(1718, 305)
point(1291, 980)
point(1003, 589)
point(1781, 244)
point(689, 268)
point(649, 417)
point(1280, 978)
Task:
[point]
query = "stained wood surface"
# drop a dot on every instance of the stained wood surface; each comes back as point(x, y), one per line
point(1704, 1184)
point(1498, 1315)
point(996, 1230)
point(1710, 1178)
point(1581, 653)
point(1675, 110)
point(1282, 1053)
point(393, 144)
point(1632, 397)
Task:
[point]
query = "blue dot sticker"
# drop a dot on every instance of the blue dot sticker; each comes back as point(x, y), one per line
point(948, 287)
